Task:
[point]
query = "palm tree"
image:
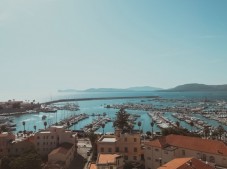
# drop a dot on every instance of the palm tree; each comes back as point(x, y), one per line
point(220, 130)
point(139, 124)
point(45, 124)
point(178, 124)
point(103, 126)
point(192, 125)
point(206, 131)
point(152, 127)
point(68, 124)
point(23, 123)
point(34, 127)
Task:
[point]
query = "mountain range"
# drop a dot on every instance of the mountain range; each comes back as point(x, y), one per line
point(197, 87)
point(131, 89)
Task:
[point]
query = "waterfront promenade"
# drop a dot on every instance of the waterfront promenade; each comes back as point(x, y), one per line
point(99, 98)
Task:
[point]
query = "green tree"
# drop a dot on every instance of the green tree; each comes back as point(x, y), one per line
point(23, 123)
point(220, 130)
point(45, 124)
point(28, 160)
point(206, 131)
point(192, 125)
point(177, 124)
point(121, 121)
point(34, 127)
point(103, 127)
point(152, 127)
point(148, 133)
point(139, 124)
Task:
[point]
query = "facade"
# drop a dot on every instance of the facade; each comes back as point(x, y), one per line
point(108, 161)
point(21, 145)
point(5, 142)
point(47, 140)
point(126, 143)
point(186, 163)
point(64, 155)
point(165, 149)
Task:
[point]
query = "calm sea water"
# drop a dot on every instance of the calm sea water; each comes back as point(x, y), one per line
point(97, 107)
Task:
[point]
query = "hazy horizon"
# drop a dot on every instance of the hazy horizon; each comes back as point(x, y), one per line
point(49, 45)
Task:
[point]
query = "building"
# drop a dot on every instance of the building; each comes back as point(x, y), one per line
point(5, 142)
point(63, 155)
point(186, 163)
point(47, 140)
point(108, 161)
point(21, 145)
point(165, 149)
point(126, 143)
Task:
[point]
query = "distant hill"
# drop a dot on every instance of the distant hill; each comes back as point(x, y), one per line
point(197, 87)
point(131, 89)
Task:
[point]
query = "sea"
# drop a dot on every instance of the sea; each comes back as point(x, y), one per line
point(98, 107)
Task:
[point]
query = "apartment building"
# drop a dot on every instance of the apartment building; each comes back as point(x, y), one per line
point(186, 163)
point(108, 161)
point(47, 140)
point(63, 155)
point(127, 143)
point(165, 149)
point(5, 142)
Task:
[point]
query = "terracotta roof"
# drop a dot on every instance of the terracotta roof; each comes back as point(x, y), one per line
point(107, 158)
point(186, 163)
point(63, 149)
point(192, 143)
point(92, 166)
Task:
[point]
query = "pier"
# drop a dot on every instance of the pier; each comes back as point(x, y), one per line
point(99, 98)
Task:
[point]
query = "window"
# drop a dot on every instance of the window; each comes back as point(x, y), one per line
point(126, 149)
point(111, 167)
point(135, 149)
point(43, 137)
point(43, 143)
point(134, 158)
point(102, 149)
point(38, 137)
point(37, 143)
point(149, 158)
point(204, 158)
point(183, 152)
point(109, 150)
point(156, 149)
point(52, 137)
point(135, 139)
point(125, 139)
point(117, 149)
point(149, 148)
point(126, 157)
point(212, 159)
point(166, 152)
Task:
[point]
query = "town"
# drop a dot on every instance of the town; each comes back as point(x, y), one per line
point(56, 147)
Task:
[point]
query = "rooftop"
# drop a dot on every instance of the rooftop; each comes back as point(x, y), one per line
point(107, 158)
point(109, 139)
point(63, 149)
point(186, 163)
point(192, 143)
point(92, 166)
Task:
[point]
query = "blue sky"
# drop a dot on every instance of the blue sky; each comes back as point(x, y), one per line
point(47, 45)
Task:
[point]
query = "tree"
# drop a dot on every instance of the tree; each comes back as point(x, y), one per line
point(152, 127)
point(206, 131)
point(139, 124)
point(45, 124)
point(27, 160)
point(220, 130)
point(148, 133)
point(103, 126)
point(68, 124)
point(23, 123)
point(192, 125)
point(178, 124)
point(4, 128)
point(34, 127)
point(121, 121)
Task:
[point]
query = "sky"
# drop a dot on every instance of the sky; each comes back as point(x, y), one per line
point(47, 45)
